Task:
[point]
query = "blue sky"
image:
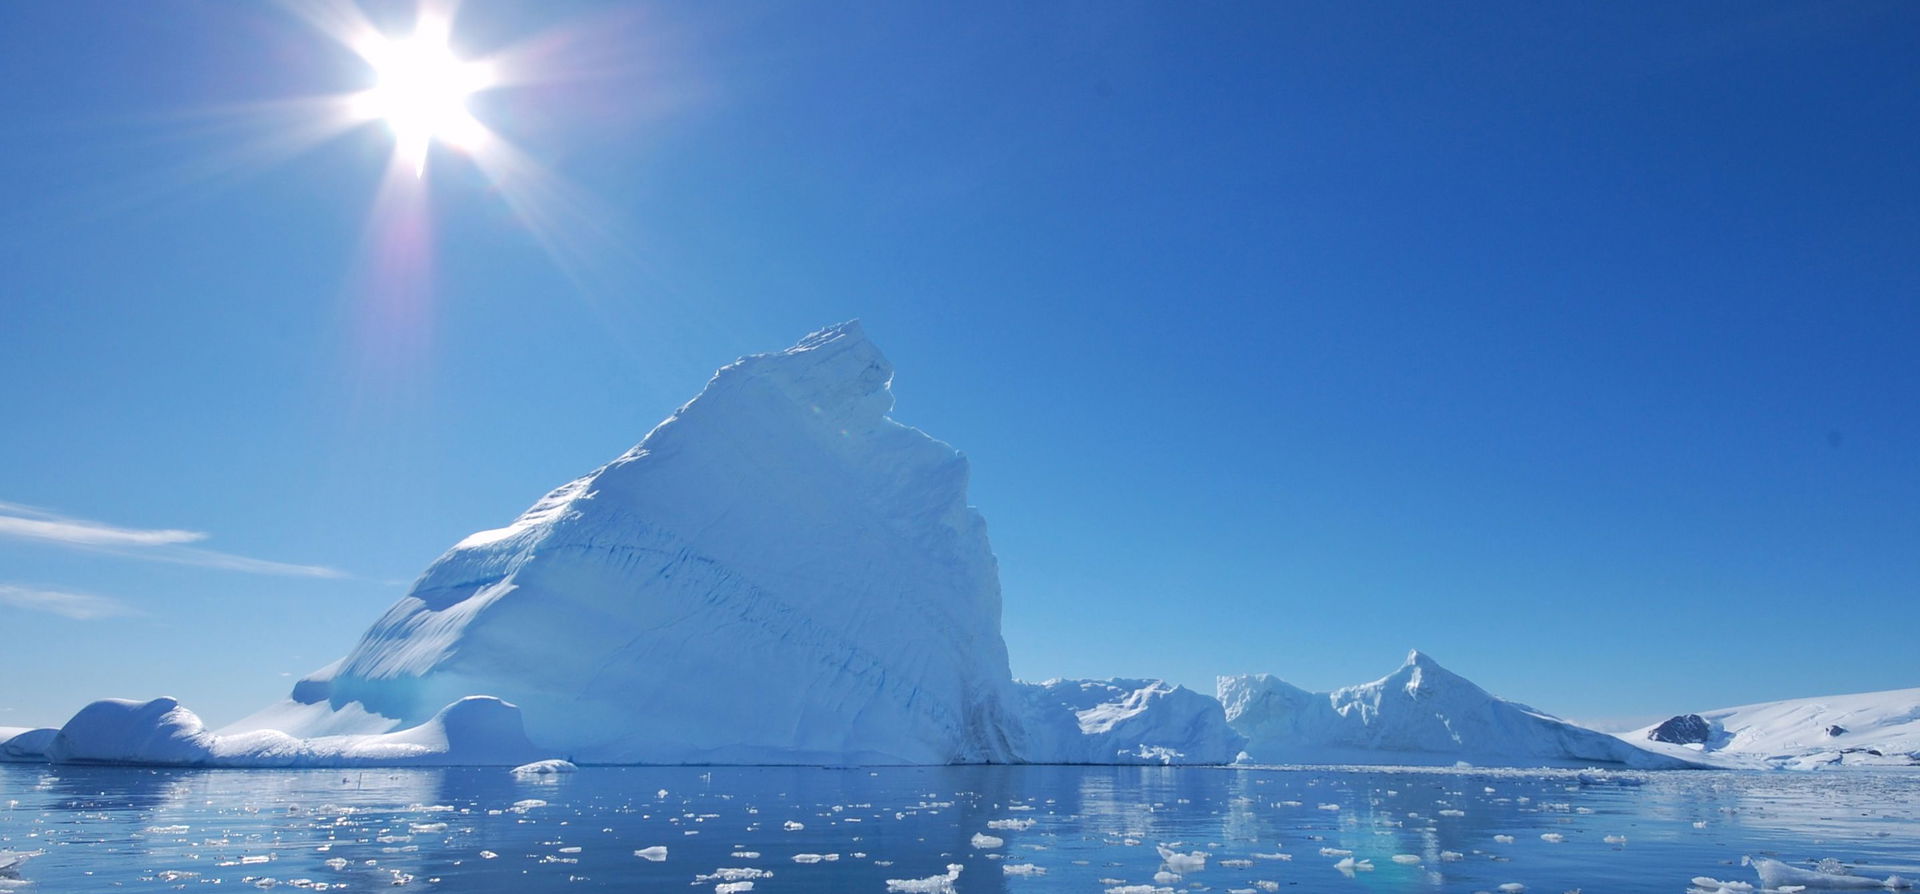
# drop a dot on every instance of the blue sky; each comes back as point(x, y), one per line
point(1575, 345)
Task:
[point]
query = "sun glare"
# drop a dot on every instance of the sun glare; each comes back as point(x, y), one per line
point(421, 92)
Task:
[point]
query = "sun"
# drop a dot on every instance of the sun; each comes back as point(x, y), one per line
point(421, 91)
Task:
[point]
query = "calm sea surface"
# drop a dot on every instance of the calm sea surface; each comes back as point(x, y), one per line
point(1006, 828)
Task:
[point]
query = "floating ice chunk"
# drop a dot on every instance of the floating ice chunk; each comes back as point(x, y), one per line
point(1830, 875)
point(539, 769)
point(1511, 888)
point(1011, 825)
point(1164, 877)
point(933, 884)
point(1406, 859)
point(1503, 839)
point(984, 842)
point(1552, 837)
point(1615, 839)
point(522, 806)
point(657, 853)
point(1451, 856)
point(735, 874)
point(1138, 889)
point(1028, 869)
point(732, 887)
point(1349, 866)
point(1179, 862)
point(792, 826)
point(12, 860)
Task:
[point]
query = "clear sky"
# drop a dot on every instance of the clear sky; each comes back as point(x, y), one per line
point(1575, 344)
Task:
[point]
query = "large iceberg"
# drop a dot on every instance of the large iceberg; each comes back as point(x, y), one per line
point(778, 573)
point(1421, 714)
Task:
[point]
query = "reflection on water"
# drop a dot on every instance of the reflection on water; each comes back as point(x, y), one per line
point(1057, 828)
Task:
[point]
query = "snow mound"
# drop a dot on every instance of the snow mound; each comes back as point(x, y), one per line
point(19, 744)
point(1421, 714)
point(477, 730)
point(1123, 721)
point(777, 574)
point(1861, 730)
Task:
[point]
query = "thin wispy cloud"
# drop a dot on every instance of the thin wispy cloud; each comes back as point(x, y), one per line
point(36, 525)
point(78, 606)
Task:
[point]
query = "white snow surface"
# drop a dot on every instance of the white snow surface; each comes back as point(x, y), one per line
point(1123, 721)
point(478, 730)
point(1421, 715)
point(1874, 729)
point(778, 573)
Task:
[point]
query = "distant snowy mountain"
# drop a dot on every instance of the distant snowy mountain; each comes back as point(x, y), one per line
point(1864, 729)
point(1421, 714)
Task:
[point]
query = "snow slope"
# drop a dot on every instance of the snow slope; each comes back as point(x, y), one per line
point(1421, 714)
point(1863, 729)
point(1125, 722)
point(778, 573)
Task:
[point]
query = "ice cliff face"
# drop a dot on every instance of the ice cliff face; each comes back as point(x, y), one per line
point(1421, 714)
point(1125, 722)
point(778, 573)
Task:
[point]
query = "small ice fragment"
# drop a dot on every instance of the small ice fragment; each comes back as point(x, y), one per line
point(657, 853)
point(933, 884)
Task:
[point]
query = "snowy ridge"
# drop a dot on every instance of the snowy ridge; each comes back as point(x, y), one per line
point(1125, 722)
point(1421, 714)
point(1862, 729)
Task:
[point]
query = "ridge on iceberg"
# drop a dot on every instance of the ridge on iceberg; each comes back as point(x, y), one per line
point(1125, 722)
point(778, 573)
point(1860, 730)
point(1421, 714)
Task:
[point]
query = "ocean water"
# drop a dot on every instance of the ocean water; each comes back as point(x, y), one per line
point(1006, 828)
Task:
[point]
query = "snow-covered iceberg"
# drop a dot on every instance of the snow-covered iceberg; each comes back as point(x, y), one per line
point(21, 744)
point(1421, 714)
point(778, 573)
point(1125, 722)
point(1868, 729)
